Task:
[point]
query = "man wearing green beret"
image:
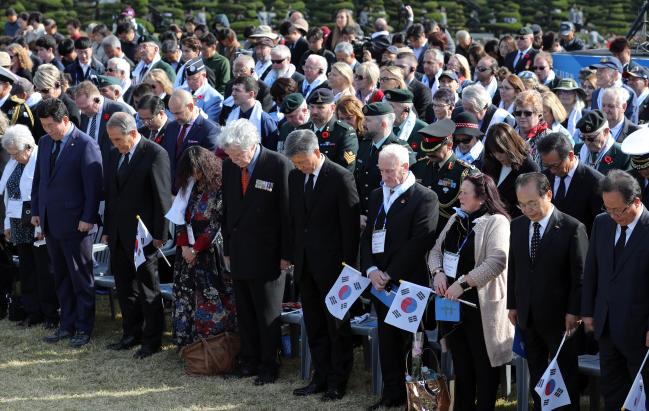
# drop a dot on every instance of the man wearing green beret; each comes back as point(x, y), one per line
point(338, 140)
point(599, 149)
point(296, 113)
point(377, 125)
point(440, 170)
point(111, 88)
point(406, 124)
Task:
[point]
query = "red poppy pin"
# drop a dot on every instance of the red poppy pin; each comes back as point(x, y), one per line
point(526, 56)
point(414, 146)
point(325, 134)
point(608, 159)
point(450, 165)
point(105, 117)
point(200, 96)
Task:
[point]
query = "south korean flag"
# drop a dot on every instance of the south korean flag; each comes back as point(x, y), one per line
point(345, 291)
point(408, 306)
point(551, 387)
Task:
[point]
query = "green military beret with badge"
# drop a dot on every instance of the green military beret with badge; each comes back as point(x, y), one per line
point(291, 103)
point(148, 38)
point(397, 95)
point(377, 109)
point(106, 81)
point(592, 122)
point(321, 96)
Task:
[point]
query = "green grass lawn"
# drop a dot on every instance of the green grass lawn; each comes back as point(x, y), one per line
point(39, 376)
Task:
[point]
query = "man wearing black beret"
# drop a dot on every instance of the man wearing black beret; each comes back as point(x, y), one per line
point(599, 149)
point(406, 124)
point(338, 140)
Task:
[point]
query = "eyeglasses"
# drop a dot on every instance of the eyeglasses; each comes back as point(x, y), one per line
point(384, 79)
point(616, 213)
point(44, 91)
point(441, 105)
point(539, 67)
point(111, 70)
point(521, 38)
point(483, 69)
point(553, 166)
point(523, 113)
point(463, 140)
point(590, 138)
point(359, 77)
point(532, 205)
point(277, 61)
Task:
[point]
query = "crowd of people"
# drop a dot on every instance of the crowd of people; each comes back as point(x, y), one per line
point(470, 168)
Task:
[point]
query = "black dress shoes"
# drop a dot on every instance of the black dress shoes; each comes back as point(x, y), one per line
point(125, 343)
point(50, 325)
point(333, 394)
point(57, 336)
point(387, 403)
point(266, 377)
point(145, 351)
point(312, 388)
point(243, 371)
point(80, 339)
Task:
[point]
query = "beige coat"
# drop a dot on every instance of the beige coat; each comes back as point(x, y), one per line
point(490, 275)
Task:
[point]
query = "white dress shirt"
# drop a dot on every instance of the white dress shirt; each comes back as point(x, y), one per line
point(567, 180)
point(316, 172)
point(629, 228)
point(544, 224)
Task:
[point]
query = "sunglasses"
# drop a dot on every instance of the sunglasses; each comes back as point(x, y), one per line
point(589, 138)
point(359, 77)
point(384, 79)
point(521, 38)
point(111, 70)
point(523, 113)
point(44, 91)
point(482, 69)
point(466, 140)
point(277, 61)
point(539, 67)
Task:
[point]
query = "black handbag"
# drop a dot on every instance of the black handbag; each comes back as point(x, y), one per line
point(26, 214)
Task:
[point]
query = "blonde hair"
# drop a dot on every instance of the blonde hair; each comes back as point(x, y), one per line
point(346, 72)
point(396, 72)
point(530, 98)
point(464, 63)
point(159, 76)
point(551, 101)
point(23, 56)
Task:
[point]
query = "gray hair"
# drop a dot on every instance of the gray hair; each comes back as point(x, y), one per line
point(476, 96)
point(462, 35)
point(300, 142)
point(125, 122)
point(437, 54)
point(623, 183)
point(620, 94)
point(396, 151)
point(540, 181)
point(246, 60)
point(318, 61)
point(344, 47)
point(240, 133)
point(169, 46)
point(111, 41)
point(282, 51)
point(121, 64)
point(19, 137)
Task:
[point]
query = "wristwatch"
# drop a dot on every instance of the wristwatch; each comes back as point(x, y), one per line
point(463, 283)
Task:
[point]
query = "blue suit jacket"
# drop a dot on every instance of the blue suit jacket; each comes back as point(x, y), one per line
point(76, 72)
point(203, 133)
point(72, 191)
point(210, 101)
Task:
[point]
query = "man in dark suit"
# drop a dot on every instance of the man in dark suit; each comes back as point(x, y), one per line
point(256, 243)
point(95, 112)
point(574, 184)
point(153, 115)
point(66, 192)
point(418, 42)
point(295, 41)
point(85, 67)
point(403, 217)
point(546, 262)
point(315, 69)
point(324, 209)
point(244, 65)
point(138, 186)
point(421, 94)
point(188, 129)
point(523, 58)
point(614, 300)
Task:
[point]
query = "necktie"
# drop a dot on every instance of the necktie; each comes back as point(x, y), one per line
point(121, 171)
point(93, 126)
point(245, 178)
point(55, 154)
point(306, 89)
point(593, 159)
point(619, 246)
point(308, 191)
point(518, 58)
point(180, 139)
point(143, 73)
point(561, 191)
point(536, 240)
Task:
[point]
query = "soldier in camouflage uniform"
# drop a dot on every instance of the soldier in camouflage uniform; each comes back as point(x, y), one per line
point(440, 170)
point(338, 140)
point(379, 119)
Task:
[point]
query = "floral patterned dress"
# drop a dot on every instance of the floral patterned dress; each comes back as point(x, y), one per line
point(203, 297)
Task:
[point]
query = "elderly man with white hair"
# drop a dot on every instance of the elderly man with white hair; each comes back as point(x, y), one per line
point(609, 74)
point(119, 68)
point(315, 75)
point(476, 100)
point(345, 53)
point(16, 187)
point(614, 105)
point(401, 228)
point(256, 244)
point(280, 57)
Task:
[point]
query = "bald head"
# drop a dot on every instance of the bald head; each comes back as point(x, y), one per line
point(381, 24)
point(182, 106)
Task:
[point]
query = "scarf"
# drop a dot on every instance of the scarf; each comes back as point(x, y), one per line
point(176, 213)
point(274, 75)
point(573, 119)
point(388, 199)
point(407, 126)
point(255, 116)
point(584, 153)
point(138, 70)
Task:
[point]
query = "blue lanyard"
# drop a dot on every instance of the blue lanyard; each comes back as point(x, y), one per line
point(385, 219)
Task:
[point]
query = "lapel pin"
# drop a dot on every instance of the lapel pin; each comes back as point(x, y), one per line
point(403, 201)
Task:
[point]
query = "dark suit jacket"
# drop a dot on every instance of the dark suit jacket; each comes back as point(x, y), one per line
point(421, 97)
point(507, 189)
point(109, 107)
point(145, 191)
point(297, 51)
point(544, 292)
point(77, 74)
point(582, 200)
point(618, 296)
point(202, 133)
point(525, 63)
point(300, 85)
point(256, 229)
point(159, 138)
point(326, 234)
point(627, 129)
point(411, 224)
point(71, 193)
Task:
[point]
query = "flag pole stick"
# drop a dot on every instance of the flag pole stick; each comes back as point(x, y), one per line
point(163, 256)
point(461, 301)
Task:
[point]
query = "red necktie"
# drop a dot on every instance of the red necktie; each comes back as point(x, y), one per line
point(245, 177)
point(181, 138)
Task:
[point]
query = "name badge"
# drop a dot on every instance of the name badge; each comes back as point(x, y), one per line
point(450, 263)
point(378, 241)
point(190, 235)
point(264, 185)
point(14, 208)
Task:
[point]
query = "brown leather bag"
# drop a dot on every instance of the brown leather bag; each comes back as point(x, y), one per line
point(213, 355)
point(430, 394)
